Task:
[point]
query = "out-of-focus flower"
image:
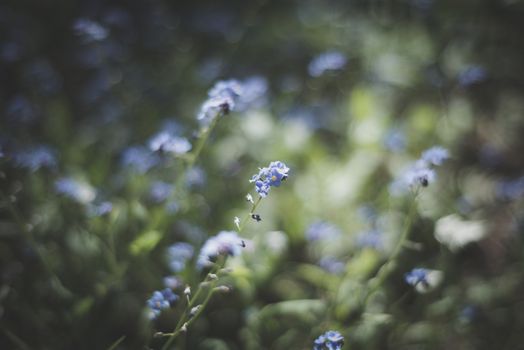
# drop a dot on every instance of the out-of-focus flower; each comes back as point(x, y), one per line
point(100, 209)
point(140, 158)
point(395, 140)
point(232, 95)
point(322, 230)
point(21, 110)
point(160, 300)
point(455, 233)
point(271, 176)
point(331, 340)
point(35, 158)
point(79, 191)
point(224, 243)
point(473, 74)
point(160, 191)
point(435, 155)
point(332, 264)
point(89, 30)
point(331, 60)
point(423, 280)
point(178, 254)
point(510, 189)
point(372, 239)
point(172, 282)
point(165, 141)
point(421, 172)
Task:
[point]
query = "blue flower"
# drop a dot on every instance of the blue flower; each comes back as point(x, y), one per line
point(35, 158)
point(100, 209)
point(166, 141)
point(79, 191)
point(472, 75)
point(331, 60)
point(416, 276)
point(89, 30)
point(271, 176)
point(178, 254)
point(160, 191)
point(160, 300)
point(226, 243)
point(372, 239)
point(435, 155)
point(332, 264)
point(232, 95)
point(321, 230)
point(331, 340)
point(140, 158)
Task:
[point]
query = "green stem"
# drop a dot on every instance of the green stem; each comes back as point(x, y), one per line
point(389, 266)
point(248, 215)
point(116, 343)
point(191, 304)
point(32, 242)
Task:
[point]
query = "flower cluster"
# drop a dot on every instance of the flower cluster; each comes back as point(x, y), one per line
point(422, 172)
point(231, 95)
point(166, 141)
point(35, 158)
point(160, 300)
point(331, 340)
point(271, 176)
point(423, 280)
point(79, 191)
point(178, 254)
point(331, 60)
point(224, 243)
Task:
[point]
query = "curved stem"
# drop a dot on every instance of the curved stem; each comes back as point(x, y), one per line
point(182, 321)
point(389, 266)
point(248, 215)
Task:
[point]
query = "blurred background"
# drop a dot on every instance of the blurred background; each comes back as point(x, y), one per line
point(347, 93)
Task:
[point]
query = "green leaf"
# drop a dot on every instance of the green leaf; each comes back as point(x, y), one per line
point(145, 242)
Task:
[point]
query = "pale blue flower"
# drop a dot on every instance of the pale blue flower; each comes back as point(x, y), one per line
point(90, 30)
point(160, 300)
point(160, 191)
point(322, 230)
point(416, 276)
point(140, 158)
point(331, 60)
point(35, 158)
point(331, 340)
point(166, 141)
point(271, 176)
point(224, 243)
point(178, 254)
point(77, 190)
point(435, 155)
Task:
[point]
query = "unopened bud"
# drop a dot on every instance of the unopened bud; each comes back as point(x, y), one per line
point(223, 289)
point(183, 328)
point(158, 335)
point(194, 310)
point(212, 277)
point(187, 290)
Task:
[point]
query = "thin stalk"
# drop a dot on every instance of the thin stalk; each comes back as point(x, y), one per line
point(389, 266)
point(248, 215)
point(182, 321)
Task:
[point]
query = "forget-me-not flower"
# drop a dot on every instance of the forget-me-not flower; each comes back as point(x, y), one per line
point(77, 190)
point(160, 300)
point(331, 340)
point(226, 243)
point(35, 158)
point(331, 60)
point(271, 176)
point(178, 254)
